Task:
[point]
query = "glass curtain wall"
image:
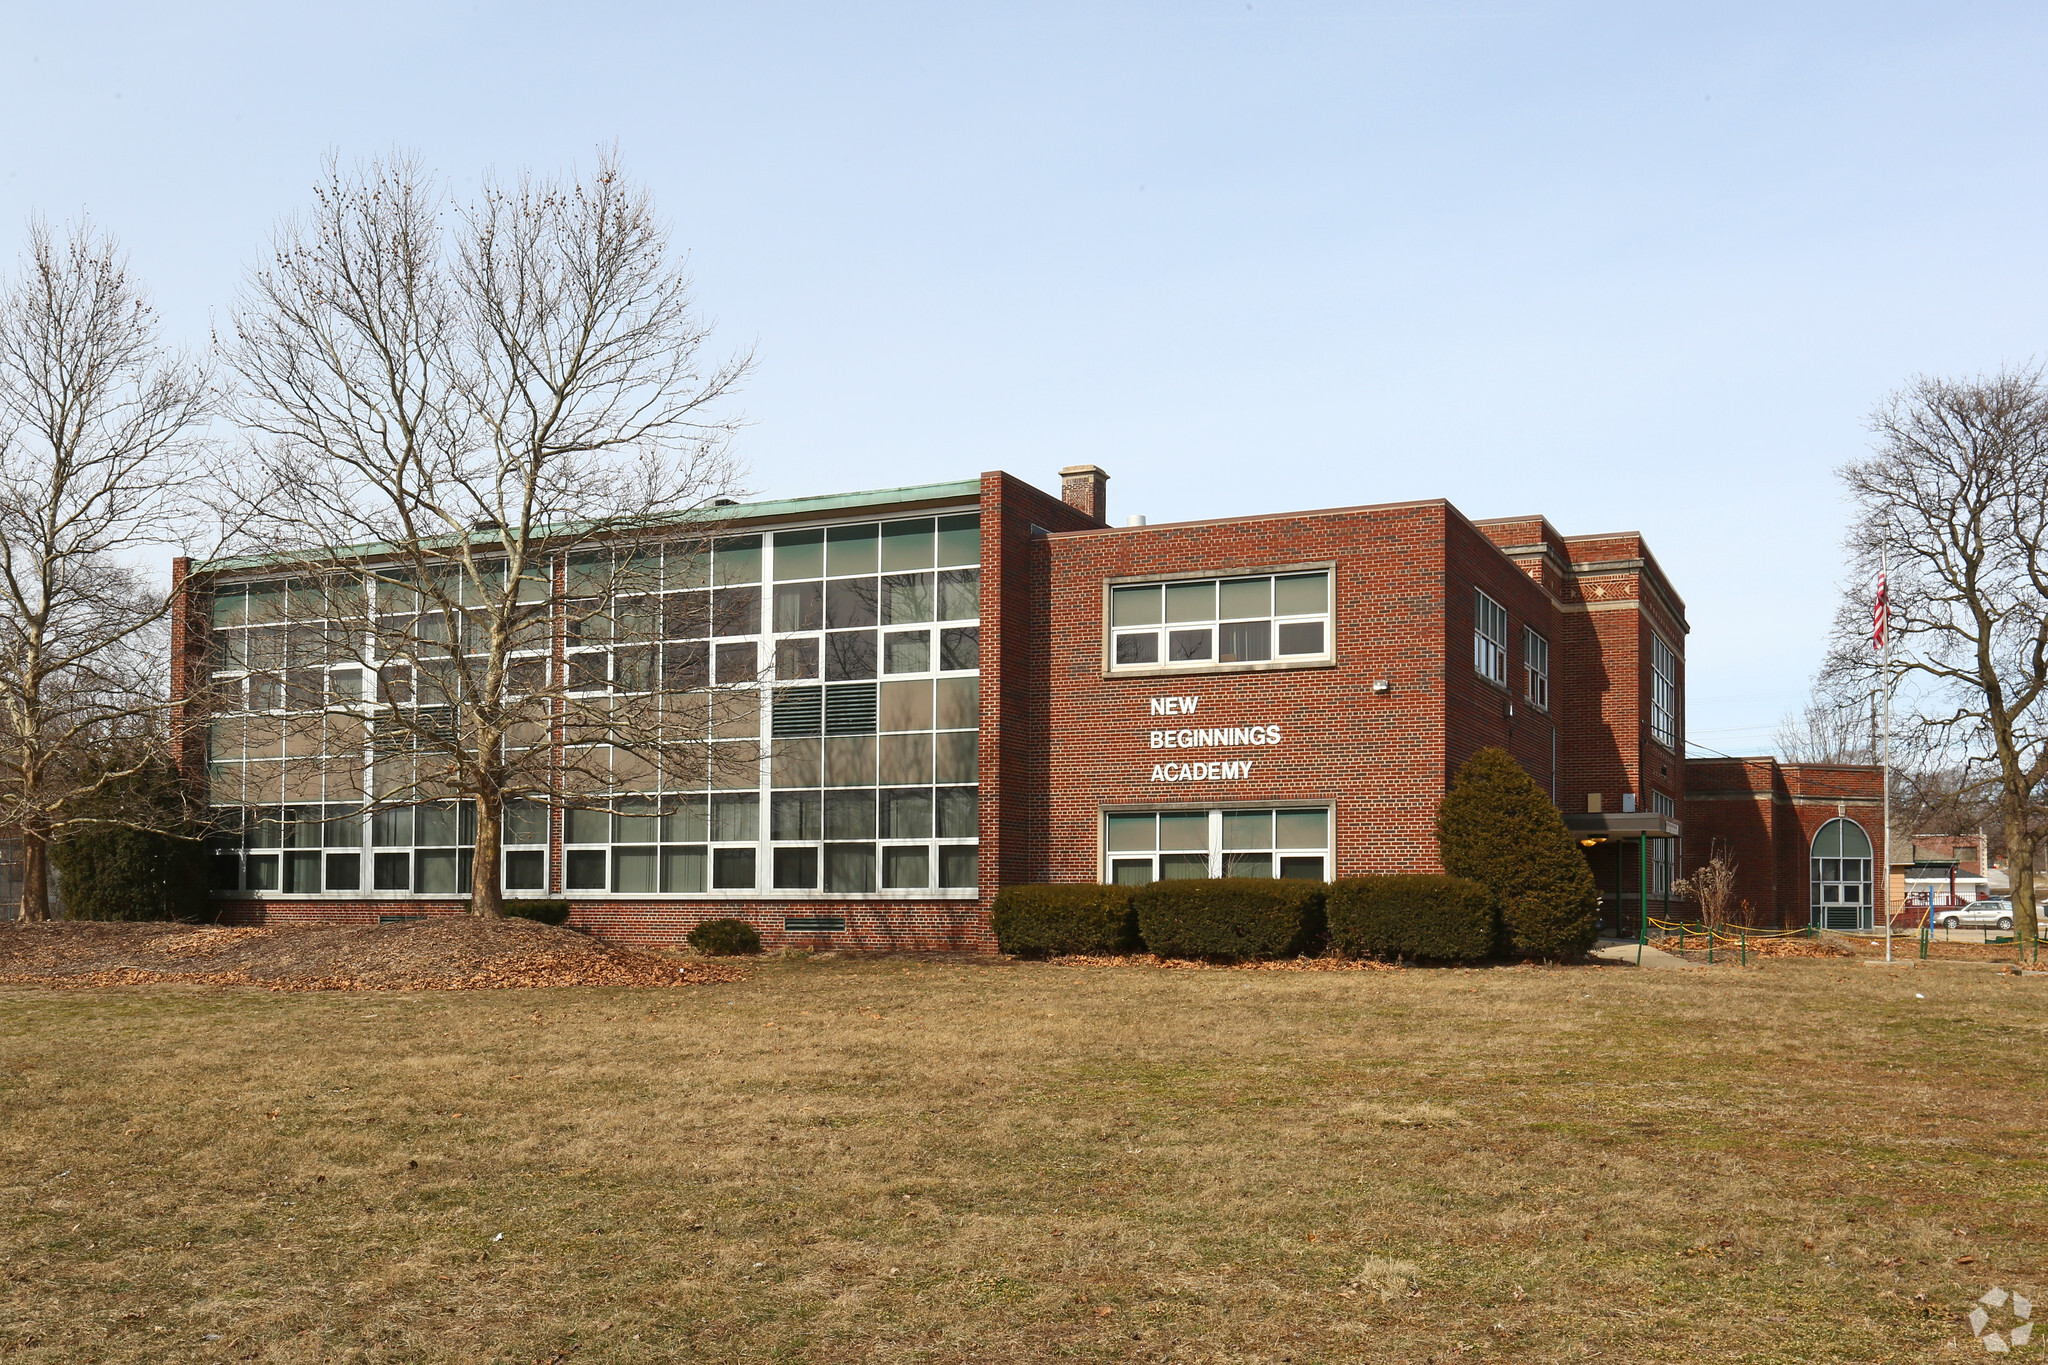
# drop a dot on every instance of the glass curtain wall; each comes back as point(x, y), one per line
point(843, 723)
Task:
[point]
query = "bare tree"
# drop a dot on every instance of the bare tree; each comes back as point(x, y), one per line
point(1830, 729)
point(1956, 495)
point(483, 433)
point(1712, 887)
point(98, 423)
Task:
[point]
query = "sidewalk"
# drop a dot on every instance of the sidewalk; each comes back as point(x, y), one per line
point(1623, 950)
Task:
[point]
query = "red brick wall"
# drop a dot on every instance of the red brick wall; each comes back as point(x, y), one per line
point(1765, 815)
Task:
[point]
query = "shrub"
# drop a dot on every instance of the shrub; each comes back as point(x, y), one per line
point(547, 912)
point(1229, 917)
point(725, 938)
point(1071, 917)
point(1497, 827)
point(112, 873)
point(1446, 919)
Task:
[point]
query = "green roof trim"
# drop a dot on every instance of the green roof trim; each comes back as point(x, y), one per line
point(773, 509)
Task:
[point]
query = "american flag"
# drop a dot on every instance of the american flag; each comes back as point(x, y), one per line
point(1879, 611)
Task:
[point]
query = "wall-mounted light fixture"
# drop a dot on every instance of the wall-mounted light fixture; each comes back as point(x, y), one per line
point(1382, 686)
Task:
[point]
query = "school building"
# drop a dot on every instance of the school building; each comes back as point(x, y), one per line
point(961, 686)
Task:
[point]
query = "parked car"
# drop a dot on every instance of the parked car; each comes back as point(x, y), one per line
point(1995, 913)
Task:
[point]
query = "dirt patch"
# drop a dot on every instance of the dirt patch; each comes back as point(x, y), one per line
point(427, 955)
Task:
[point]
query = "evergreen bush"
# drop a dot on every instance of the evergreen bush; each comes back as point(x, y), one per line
point(1497, 827)
point(1070, 917)
point(547, 912)
point(1229, 917)
point(1435, 918)
point(111, 873)
point(725, 938)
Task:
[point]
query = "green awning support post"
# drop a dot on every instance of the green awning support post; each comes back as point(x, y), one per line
point(1745, 945)
point(1642, 895)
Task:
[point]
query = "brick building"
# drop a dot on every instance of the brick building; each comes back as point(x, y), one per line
point(1015, 691)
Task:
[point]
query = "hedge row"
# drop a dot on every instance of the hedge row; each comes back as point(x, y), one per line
point(1431, 918)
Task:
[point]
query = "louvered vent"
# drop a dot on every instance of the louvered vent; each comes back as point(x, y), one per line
point(850, 709)
point(798, 710)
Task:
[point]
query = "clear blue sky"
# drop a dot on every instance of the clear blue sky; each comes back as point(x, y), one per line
point(1626, 266)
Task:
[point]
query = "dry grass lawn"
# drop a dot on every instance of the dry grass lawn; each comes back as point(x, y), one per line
point(889, 1160)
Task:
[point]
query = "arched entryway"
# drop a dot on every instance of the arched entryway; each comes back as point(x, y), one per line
point(1841, 876)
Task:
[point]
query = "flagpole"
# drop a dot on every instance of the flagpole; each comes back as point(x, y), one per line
point(1885, 753)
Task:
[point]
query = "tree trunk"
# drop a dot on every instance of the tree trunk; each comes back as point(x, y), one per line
point(35, 875)
point(2019, 846)
point(486, 885)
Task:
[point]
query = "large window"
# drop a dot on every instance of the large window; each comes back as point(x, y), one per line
point(1663, 852)
point(1206, 622)
point(1535, 669)
point(1663, 693)
point(1841, 876)
point(1148, 846)
point(1489, 638)
point(833, 673)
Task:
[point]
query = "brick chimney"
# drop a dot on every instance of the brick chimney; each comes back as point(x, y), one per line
point(1086, 486)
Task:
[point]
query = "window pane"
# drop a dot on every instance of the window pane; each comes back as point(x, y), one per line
point(737, 664)
point(1183, 646)
point(1134, 606)
point(1248, 865)
point(959, 704)
point(795, 659)
point(906, 868)
point(960, 540)
point(794, 763)
point(850, 762)
point(434, 824)
point(851, 602)
point(849, 867)
point(907, 651)
point(958, 865)
point(633, 869)
point(906, 599)
point(799, 606)
point(960, 647)
point(956, 755)
point(959, 813)
point(262, 871)
point(1130, 833)
point(1301, 637)
point(907, 814)
point(1247, 829)
point(1130, 871)
point(736, 611)
point(1247, 597)
point(1181, 867)
point(344, 827)
point(736, 559)
point(1188, 831)
point(1137, 649)
point(796, 869)
point(907, 705)
point(301, 873)
point(392, 871)
point(344, 871)
point(685, 666)
point(526, 822)
point(850, 549)
point(1304, 829)
point(850, 814)
point(526, 870)
point(850, 655)
point(796, 816)
point(959, 594)
point(1190, 601)
point(682, 869)
point(907, 544)
point(1301, 869)
point(1244, 641)
point(388, 827)
point(636, 822)
point(732, 869)
point(906, 759)
point(1300, 594)
point(686, 820)
point(685, 616)
point(799, 554)
point(736, 818)
point(440, 871)
point(586, 827)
